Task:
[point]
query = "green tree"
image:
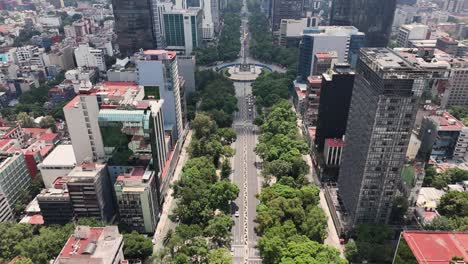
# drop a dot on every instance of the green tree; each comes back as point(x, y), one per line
point(225, 169)
point(10, 235)
point(315, 224)
point(203, 126)
point(137, 246)
point(22, 260)
point(351, 251)
point(220, 256)
point(454, 204)
point(48, 122)
point(219, 230)
point(221, 193)
point(25, 120)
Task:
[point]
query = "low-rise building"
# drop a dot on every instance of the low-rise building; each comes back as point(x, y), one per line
point(439, 135)
point(93, 245)
point(312, 100)
point(411, 32)
point(137, 199)
point(58, 163)
point(55, 204)
point(86, 56)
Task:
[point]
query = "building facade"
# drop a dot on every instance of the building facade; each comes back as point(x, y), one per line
point(90, 191)
point(56, 207)
point(14, 180)
point(456, 92)
point(159, 68)
point(335, 99)
point(411, 32)
point(285, 9)
point(380, 122)
point(134, 22)
point(345, 41)
point(137, 199)
point(183, 29)
point(86, 56)
point(377, 26)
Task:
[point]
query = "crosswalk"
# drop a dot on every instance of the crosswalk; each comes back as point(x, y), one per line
point(239, 251)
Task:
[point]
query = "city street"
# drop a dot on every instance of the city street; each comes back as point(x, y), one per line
point(245, 176)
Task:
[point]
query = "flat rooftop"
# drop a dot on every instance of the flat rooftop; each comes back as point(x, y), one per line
point(86, 170)
point(447, 122)
point(160, 54)
point(92, 243)
point(62, 155)
point(386, 59)
point(436, 247)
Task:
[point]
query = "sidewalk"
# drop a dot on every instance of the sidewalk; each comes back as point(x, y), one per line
point(165, 224)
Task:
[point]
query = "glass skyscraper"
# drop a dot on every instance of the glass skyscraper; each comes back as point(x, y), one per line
point(373, 17)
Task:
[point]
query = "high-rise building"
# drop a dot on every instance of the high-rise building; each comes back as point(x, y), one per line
point(411, 32)
point(135, 24)
point(345, 41)
point(455, 6)
point(137, 199)
point(14, 180)
point(158, 68)
point(381, 118)
point(373, 17)
point(456, 92)
point(86, 56)
point(81, 115)
point(96, 245)
point(335, 99)
point(90, 191)
point(183, 29)
point(285, 9)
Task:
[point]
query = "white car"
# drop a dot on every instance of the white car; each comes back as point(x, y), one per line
point(236, 214)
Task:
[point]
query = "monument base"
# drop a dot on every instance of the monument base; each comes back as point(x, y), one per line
point(244, 67)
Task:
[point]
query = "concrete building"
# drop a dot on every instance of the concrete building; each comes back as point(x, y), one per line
point(461, 149)
point(183, 29)
point(451, 46)
point(323, 61)
point(90, 190)
point(55, 205)
point(158, 68)
point(333, 148)
point(93, 245)
point(14, 180)
point(383, 109)
point(290, 32)
point(285, 9)
point(456, 92)
point(312, 100)
point(373, 17)
point(335, 99)
point(439, 135)
point(137, 199)
point(81, 116)
point(57, 164)
point(344, 40)
point(86, 56)
point(455, 6)
point(186, 66)
point(411, 32)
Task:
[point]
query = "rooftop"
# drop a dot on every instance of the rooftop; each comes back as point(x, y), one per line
point(436, 247)
point(447, 122)
point(132, 174)
point(385, 58)
point(103, 243)
point(314, 79)
point(86, 170)
point(62, 155)
point(156, 55)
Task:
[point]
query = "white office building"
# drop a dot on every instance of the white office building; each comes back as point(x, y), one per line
point(86, 56)
point(411, 32)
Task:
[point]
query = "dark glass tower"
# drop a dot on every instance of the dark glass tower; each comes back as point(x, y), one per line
point(285, 9)
point(134, 25)
point(381, 117)
point(373, 17)
point(335, 98)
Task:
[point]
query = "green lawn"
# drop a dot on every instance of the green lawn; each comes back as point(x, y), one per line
point(408, 174)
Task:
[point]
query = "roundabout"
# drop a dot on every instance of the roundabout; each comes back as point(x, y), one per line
point(244, 72)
